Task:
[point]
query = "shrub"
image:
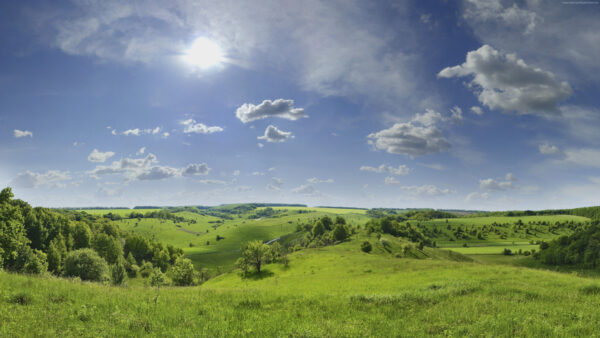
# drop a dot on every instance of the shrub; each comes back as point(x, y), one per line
point(183, 272)
point(340, 233)
point(506, 252)
point(86, 264)
point(158, 278)
point(146, 269)
point(118, 274)
point(366, 246)
point(36, 264)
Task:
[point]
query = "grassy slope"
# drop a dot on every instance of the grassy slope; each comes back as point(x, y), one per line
point(333, 291)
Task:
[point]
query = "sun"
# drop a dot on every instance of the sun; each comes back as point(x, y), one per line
point(204, 54)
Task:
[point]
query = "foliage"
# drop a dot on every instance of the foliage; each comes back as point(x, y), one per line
point(256, 253)
point(118, 274)
point(366, 246)
point(182, 272)
point(582, 248)
point(158, 278)
point(86, 264)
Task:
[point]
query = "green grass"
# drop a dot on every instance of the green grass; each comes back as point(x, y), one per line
point(332, 291)
point(487, 250)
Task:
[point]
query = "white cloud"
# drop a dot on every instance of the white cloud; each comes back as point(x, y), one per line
point(426, 190)
point(548, 149)
point(477, 110)
point(22, 133)
point(196, 169)
point(429, 118)
point(236, 173)
point(147, 169)
point(272, 134)
point(191, 126)
point(409, 139)
point(503, 81)
point(457, 114)
point(139, 132)
point(279, 108)
point(307, 189)
point(477, 196)
point(498, 184)
point(100, 157)
point(216, 182)
point(243, 188)
point(260, 145)
point(584, 157)
point(52, 178)
point(257, 173)
point(141, 151)
point(272, 187)
point(383, 168)
point(492, 10)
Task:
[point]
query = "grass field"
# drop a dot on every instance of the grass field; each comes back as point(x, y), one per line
point(332, 291)
point(120, 212)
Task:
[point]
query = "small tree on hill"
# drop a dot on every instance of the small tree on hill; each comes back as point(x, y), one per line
point(183, 272)
point(366, 246)
point(118, 274)
point(340, 233)
point(86, 264)
point(256, 253)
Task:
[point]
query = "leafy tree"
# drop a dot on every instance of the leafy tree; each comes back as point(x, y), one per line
point(82, 236)
point(108, 248)
point(36, 263)
point(256, 253)
point(54, 258)
point(139, 247)
point(183, 272)
point(12, 232)
point(340, 233)
point(318, 229)
point(366, 246)
point(158, 278)
point(86, 264)
point(327, 222)
point(161, 259)
point(146, 269)
point(340, 220)
point(118, 275)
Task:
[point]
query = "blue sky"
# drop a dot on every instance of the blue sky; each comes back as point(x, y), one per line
point(468, 104)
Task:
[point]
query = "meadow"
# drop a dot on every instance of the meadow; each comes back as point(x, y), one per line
point(462, 286)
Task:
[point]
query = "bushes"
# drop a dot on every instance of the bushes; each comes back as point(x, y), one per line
point(183, 272)
point(87, 265)
point(366, 246)
point(118, 275)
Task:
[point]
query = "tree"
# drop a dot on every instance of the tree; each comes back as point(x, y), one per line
point(340, 233)
point(139, 247)
point(146, 269)
point(340, 220)
point(36, 263)
point(255, 253)
point(86, 264)
point(82, 236)
point(318, 229)
point(12, 231)
point(327, 222)
point(366, 246)
point(118, 275)
point(158, 278)
point(108, 248)
point(183, 272)
point(161, 259)
point(54, 258)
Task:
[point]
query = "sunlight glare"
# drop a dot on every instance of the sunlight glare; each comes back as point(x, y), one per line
point(204, 53)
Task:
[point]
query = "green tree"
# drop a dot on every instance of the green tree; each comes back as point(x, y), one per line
point(256, 253)
point(82, 236)
point(161, 259)
point(183, 272)
point(340, 220)
point(340, 233)
point(12, 231)
point(36, 263)
point(158, 278)
point(86, 264)
point(366, 246)
point(146, 269)
point(139, 247)
point(118, 275)
point(108, 248)
point(318, 229)
point(327, 222)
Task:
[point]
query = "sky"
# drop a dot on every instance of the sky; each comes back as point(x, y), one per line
point(485, 105)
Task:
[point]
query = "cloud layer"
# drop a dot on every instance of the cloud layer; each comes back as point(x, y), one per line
point(280, 108)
